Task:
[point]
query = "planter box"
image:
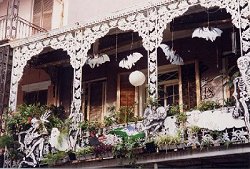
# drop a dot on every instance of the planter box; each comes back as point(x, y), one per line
point(107, 155)
point(138, 150)
point(181, 146)
point(62, 161)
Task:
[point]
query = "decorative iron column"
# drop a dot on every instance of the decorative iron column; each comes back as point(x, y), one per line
point(5, 65)
point(12, 18)
point(155, 33)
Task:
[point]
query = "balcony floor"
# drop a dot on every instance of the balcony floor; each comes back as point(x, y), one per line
point(235, 156)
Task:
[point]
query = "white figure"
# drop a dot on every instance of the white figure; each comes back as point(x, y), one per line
point(154, 119)
point(61, 144)
point(242, 89)
point(33, 139)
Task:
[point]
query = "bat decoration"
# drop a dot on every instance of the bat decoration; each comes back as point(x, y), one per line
point(130, 61)
point(97, 60)
point(207, 33)
point(171, 56)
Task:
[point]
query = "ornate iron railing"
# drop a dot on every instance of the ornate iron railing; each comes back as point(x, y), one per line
point(23, 29)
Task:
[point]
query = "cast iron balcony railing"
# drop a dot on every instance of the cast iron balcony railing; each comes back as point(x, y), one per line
point(23, 29)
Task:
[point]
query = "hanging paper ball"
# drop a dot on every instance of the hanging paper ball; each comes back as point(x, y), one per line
point(136, 78)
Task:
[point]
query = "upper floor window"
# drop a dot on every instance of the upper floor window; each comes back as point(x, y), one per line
point(42, 13)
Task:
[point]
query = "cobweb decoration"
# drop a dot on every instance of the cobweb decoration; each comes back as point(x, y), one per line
point(171, 55)
point(207, 33)
point(130, 61)
point(97, 60)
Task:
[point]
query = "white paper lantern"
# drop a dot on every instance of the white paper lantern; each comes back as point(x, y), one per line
point(136, 78)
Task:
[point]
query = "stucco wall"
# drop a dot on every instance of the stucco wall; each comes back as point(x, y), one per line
point(25, 9)
point(3, 7)
point(82, 11)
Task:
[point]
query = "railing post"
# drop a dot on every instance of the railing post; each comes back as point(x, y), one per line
point(12, 19)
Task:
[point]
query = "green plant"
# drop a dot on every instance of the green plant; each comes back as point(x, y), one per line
point(84, 151)
point(173, 110)
point(208, 105)
point(230, 102)
point(108, 121)
point(21, 119)
point(6, 140)
point(166, 140)
point(181, 117)
point(125, 114)
point(195, 129)
point(52, 158)
point(152, 102)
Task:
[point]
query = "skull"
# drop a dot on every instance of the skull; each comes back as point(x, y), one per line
point(243, 64)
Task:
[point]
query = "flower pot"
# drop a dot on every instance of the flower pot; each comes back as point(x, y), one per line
point(150, 147)
point(72, 156)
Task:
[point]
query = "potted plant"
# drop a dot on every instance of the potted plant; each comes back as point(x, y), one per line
point(103, 151)
point(6, 141)
point(85, 153)
point(57, 158)
point(163, 142)
point(208, 105)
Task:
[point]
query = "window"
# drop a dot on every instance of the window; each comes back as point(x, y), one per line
point(36, 97)
point(42, 13)
point(94, 100)
point(168, 90)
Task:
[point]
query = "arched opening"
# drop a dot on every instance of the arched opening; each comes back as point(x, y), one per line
point(47, 80)
point(105, 82)
point(209, 60)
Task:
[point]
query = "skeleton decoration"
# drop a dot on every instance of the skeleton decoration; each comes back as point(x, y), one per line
point(242, 90)
point(97, 60)
point(130, 61)
point(171, 55)
point(207, 33)
point(154, 119)
point(32, 141)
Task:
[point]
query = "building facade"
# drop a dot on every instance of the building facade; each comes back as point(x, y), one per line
point(193, 54)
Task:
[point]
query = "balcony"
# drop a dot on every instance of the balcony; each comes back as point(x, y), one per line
point(23, 29)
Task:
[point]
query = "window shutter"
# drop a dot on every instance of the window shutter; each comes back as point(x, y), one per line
point(127, 92)
point(188, 86)
point(37, 13)
point(42, 13)
point(47, 13)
